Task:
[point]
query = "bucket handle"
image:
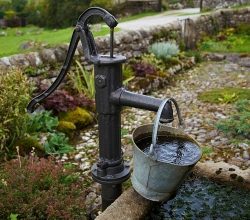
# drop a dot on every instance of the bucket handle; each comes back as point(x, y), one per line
point(157, 121)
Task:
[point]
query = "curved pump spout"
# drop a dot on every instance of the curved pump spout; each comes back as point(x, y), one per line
point(83, 34)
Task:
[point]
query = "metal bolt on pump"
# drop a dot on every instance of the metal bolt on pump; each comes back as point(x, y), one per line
point(110, 170)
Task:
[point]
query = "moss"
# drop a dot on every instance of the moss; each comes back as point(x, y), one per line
point(66, 127)
point(243, 29)
point(127, 184)
point(79, 117)
point(28, 144)
point(207, 150)
point(220, 95)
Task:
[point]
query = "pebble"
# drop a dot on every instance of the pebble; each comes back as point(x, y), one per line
point(212, 134)
point(64, 157)
point(245, 155)
point(215, 143)
point(78, 156)
point(243, 145)
point(201, 140)
point(237, 154)
point(85, 166)
point(85, 138)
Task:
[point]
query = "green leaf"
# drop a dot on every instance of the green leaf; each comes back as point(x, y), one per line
point(13, 216)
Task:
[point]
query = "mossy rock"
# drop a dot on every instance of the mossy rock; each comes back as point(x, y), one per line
point(226, 95)
point(66, 127)
point(28, 144)
point(79, 117)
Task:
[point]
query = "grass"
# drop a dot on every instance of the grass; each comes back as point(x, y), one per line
point(233, 44)
point(207, 150)
point(246, 5)
point(11, 43)
point(224, 95)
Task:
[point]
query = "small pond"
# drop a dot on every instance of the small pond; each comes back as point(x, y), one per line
point(200, 198)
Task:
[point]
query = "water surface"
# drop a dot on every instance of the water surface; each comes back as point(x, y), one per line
point(202, 199)
point(172, 150)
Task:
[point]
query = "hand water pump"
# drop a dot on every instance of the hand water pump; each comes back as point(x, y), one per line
point(110, 170)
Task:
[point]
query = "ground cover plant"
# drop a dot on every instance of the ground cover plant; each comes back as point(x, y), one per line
point(225, 95)
point(33, 188)
point(230, 40)
point(238, 124)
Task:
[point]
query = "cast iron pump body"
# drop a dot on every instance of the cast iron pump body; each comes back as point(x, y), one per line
point(110, 170)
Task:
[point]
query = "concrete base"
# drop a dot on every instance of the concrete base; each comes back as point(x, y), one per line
point(224, 173)
point(129, 206)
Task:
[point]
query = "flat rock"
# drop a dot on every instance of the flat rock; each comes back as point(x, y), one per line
point(245, 62)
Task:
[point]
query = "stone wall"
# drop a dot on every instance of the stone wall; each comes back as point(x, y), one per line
point(212, 4)
point(134, 43)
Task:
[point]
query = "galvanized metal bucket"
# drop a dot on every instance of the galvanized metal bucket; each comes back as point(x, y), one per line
point(156, 180)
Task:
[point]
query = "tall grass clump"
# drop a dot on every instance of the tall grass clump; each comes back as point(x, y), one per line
point(15, 93)
point(164, 50)
point(83, 81)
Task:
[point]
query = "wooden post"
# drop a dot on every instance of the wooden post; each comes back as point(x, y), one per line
point(201, 5)
point(159, 5)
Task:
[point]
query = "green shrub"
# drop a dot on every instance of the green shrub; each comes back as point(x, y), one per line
point(151, 59)
point(29, 144)
point(57, 144)
point(239, 123)
point(31, 71)
point(196, 54)
point(42, 122)
point(14, 97)
point(164, 50)
point(35, 188)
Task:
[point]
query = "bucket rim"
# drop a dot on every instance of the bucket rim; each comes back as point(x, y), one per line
point(174, 164)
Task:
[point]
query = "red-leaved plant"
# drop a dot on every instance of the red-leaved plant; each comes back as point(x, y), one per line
point(37, 188)
point(142, 69)
point(62, 101)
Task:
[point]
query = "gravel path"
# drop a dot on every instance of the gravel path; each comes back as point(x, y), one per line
point(159, 19)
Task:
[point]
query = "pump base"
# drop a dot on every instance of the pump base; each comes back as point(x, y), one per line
point(105, 177)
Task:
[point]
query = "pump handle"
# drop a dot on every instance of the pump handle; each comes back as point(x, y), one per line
point(81, 32)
